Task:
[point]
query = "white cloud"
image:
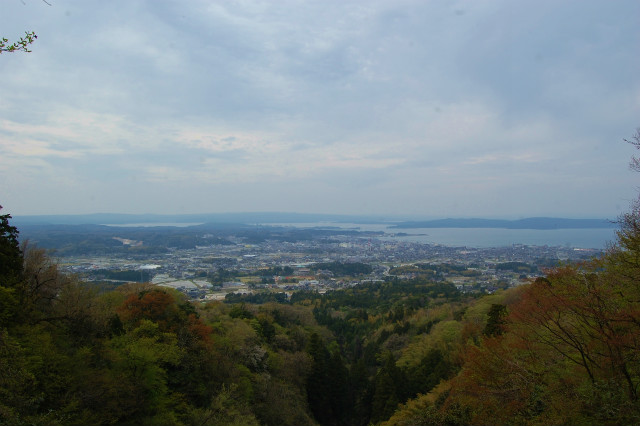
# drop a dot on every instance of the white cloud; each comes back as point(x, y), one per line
point(440, 107)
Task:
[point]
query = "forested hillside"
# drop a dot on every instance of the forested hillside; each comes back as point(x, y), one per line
point(560, 350)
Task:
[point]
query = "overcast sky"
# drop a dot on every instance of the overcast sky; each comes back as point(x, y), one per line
point(430, 108)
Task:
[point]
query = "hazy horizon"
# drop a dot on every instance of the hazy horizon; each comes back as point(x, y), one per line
point(391, 216)
point(429, 110)
point(271, 217)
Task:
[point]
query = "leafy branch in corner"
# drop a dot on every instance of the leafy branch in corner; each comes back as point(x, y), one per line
point(20, 45)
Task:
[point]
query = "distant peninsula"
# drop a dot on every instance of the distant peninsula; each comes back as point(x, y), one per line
point(538, 223)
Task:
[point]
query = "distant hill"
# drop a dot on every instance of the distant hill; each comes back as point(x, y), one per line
point(539, 223)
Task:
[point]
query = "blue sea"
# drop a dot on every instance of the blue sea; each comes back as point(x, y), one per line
point(482, 237)
point(598, 238)
point(498, 237)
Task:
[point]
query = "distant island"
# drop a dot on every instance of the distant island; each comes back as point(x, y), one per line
point(538, 223)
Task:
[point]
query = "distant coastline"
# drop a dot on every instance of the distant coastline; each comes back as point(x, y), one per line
point(67, 232)
point(397, 222)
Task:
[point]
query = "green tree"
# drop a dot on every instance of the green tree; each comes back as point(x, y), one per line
point(10, 268)
point(424, 377)
point(318, 382)
point(496, 320)
point(226, 409)
point(339, 398)
point(18, 385)
point(10, 253)
point(389, 390)
point(141, 359)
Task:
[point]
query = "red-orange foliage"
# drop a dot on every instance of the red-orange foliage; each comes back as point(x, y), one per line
point(584, 316)
point(199, 330)
point(161, 307)
point(570, 351)
point(155, 305)
point(499, 381)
